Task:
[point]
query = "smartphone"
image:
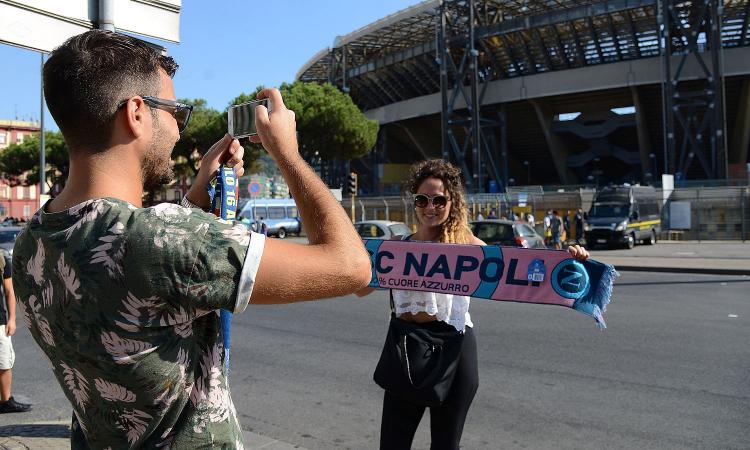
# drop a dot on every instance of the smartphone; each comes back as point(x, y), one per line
point(241, 118)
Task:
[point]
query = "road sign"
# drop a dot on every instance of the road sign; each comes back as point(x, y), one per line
point(44, 25)
point(254, 188)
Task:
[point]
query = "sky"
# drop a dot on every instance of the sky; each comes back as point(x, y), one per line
point(227, 47)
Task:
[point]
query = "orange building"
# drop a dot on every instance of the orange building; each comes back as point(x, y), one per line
point(19, 201)
point(14, 131)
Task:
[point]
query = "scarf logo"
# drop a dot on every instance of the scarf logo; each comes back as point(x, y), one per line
point(570, 279)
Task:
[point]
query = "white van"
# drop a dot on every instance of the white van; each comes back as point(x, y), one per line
point(279, 214)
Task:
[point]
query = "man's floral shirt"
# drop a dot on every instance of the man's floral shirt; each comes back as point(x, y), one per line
point(124, 302)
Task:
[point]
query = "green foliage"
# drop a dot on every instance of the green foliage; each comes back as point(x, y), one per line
point(207, 126)
point(253, 152)
point(22, 159)
point(328, 122)
point(202, 132)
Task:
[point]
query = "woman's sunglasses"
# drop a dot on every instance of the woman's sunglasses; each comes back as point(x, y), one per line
point(180, 111)
point(438, 201)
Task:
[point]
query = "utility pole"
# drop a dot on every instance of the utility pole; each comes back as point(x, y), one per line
point(42, 144)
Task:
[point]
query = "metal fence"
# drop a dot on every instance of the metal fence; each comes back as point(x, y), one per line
point(401, 208)
point(721, 213)
point(715, 213)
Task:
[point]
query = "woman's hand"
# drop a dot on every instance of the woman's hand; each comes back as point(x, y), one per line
point(578, 252)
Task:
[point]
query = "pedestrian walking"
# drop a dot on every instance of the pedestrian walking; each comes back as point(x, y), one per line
point(547, 230)
point(8, 404)
point(124, 300)
point(579, 226)
point(480, 216)
point(556, 230)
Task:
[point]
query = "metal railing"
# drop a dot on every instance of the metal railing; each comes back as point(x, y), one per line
point(715, 213)
point(401, 209)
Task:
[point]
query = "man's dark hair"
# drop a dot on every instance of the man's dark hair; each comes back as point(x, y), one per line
point(87, 77)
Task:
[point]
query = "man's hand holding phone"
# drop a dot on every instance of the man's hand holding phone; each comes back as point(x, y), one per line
point(277, 129)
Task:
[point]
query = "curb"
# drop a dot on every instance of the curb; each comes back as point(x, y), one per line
point(697, 270)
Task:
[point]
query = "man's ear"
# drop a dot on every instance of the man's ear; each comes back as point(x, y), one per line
point(135, 117)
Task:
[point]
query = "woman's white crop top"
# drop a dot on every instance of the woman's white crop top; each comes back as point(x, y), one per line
point(449, 308)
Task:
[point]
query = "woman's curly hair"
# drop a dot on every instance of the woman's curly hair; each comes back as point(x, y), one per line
point(456, 228)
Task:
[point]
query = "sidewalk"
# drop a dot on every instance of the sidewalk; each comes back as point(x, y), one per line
point(55, 436)
point(708, 257)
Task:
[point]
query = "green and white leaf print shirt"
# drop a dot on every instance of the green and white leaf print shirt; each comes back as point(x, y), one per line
point(124, 302)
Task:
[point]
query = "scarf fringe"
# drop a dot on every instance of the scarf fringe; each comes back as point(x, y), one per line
point(603, 295)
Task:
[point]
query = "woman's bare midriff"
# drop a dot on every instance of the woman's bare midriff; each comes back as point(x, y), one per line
point(420, 317)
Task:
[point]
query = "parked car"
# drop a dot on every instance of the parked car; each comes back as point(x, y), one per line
point(507, 233)
point(381, 229)
point(8, 237)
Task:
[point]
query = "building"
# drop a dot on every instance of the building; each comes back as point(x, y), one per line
point(17, 201)
point(551, 93)
point(14, 131)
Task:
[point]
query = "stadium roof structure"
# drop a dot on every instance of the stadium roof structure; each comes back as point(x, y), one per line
point(396, 58)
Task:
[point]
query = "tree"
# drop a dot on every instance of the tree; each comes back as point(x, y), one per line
point(207, 126)
point(328, 122)
point(253, 152)
point(19, 163)
point(202, 132)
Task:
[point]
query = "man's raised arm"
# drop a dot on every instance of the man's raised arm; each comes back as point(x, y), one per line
point(336, 262)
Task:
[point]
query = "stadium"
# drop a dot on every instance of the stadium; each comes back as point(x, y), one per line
point(553, 92)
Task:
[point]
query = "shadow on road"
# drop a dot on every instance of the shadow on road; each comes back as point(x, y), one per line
point(36, 430)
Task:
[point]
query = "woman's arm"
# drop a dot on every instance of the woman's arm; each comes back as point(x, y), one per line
point(477, 241)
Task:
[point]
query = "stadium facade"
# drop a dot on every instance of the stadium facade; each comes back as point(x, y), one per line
point(553, 92)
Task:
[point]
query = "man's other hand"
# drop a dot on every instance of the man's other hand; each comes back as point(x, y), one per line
point(226, 151)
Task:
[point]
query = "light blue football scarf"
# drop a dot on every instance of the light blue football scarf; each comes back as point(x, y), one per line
point(222, 191)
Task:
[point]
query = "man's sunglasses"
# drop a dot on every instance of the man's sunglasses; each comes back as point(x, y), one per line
point(180, 111)
point(438, 201)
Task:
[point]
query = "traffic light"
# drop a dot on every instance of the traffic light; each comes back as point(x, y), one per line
point(351, 184)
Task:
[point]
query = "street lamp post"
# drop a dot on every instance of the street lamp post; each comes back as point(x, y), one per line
point(528, 172)
point(654, 169)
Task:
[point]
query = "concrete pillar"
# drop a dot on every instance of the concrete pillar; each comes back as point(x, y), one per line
point(738, 149)
point(644, 142)
point(557, 148)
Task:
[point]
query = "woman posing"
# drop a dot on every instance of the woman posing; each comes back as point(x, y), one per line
point(442, 216)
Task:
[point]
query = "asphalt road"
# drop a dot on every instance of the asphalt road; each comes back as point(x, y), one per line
point(672, 371)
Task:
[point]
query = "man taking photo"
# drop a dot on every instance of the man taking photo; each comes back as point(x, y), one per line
point(123, 299)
